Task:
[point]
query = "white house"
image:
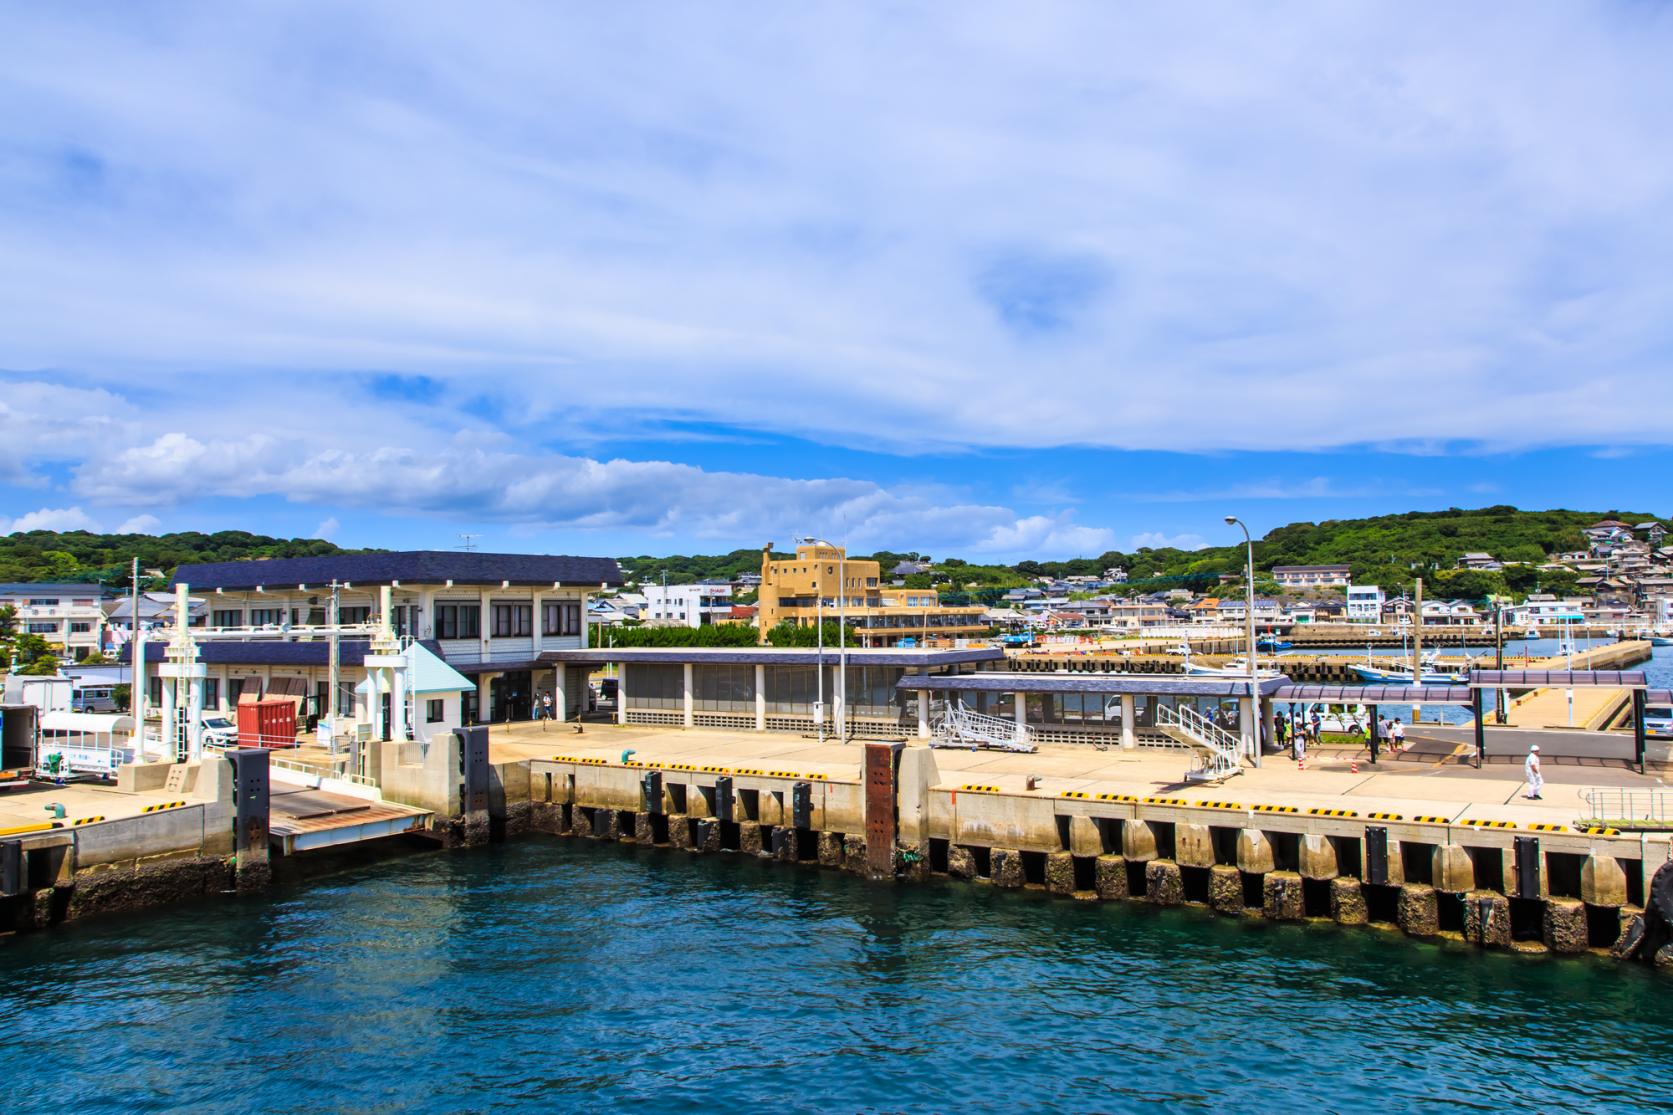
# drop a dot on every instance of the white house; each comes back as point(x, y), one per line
point(67, 616)
point(1365, 604)
point(689, 605)
point(1310, 576)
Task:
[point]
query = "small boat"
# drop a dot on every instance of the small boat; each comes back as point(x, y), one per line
point(1430, 672)
point(1272, 642)
point(1236, 668)
point(1661, 641)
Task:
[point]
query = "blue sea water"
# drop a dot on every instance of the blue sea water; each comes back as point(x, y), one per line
point(563, 976)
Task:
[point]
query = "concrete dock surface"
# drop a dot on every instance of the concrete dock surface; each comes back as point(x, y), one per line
point(1430, 784)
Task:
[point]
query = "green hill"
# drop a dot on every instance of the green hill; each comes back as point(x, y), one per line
point(78, 555)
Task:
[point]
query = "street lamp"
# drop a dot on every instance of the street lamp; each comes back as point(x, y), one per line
point(842, 640)
point(1249, 607)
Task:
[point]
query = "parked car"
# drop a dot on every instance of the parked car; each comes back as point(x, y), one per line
point(1658, 721)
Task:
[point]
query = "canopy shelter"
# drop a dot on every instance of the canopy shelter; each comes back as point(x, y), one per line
point(83, 744)
point(1375, 694)
point(1149, 685)
point(1558, 679)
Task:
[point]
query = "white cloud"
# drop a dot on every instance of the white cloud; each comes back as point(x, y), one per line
point(140, 524)
point(1309, 227)
point(1156, 540)
point(54, 518)
point(328, 528)
point(654, 497)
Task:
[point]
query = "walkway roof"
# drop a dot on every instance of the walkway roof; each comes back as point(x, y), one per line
point(1143, 685)
point(1375, 694)
point(921, 657)
point(1561, 679)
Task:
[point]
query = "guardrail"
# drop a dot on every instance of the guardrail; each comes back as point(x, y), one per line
point(1611, 804)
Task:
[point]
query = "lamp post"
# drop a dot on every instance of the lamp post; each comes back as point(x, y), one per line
point(841, 694)
point(1249, 606)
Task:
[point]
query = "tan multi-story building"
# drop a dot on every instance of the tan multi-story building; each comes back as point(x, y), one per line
point(821, 580)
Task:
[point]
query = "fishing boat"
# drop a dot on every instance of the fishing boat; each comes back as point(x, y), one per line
point(1272, 642)
point(1430, 672)
point(1661, 641)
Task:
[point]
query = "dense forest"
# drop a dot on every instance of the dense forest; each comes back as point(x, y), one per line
point(1389, 550)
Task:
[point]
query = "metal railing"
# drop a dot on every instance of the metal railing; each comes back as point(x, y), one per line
point(958, 726)
point(1219, 748)
point(1611, 804)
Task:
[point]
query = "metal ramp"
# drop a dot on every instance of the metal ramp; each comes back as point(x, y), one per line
point(959, 727)
point(1215, 748)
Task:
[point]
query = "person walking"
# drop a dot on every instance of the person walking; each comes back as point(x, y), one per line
point(1536, 780)
point(1397, 736)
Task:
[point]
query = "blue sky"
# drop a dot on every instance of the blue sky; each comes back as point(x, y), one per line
point(1000, 282)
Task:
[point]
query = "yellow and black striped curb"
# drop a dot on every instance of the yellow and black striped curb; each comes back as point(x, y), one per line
point(88, 820)
point(973, 789)
point(162, 805)
point(582, 761)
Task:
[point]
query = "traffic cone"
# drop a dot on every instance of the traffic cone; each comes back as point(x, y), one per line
point(1353, 765)
point(1301, 763)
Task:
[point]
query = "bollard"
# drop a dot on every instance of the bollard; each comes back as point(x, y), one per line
point(801, 805)
point(650, 792)
point(723, 798)
point(252, 812)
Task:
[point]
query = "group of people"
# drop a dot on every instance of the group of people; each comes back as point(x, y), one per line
point(1296, 731)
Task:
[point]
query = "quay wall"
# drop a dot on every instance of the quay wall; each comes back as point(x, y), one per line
point(1540, 889)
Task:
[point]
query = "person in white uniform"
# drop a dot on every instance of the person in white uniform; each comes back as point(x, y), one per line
point(1536, 780)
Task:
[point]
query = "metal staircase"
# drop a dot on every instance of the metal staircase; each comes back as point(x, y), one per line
point(958, 726)
point(1216, 749)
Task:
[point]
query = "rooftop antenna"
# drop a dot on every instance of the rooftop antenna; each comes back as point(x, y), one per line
point(467, 542)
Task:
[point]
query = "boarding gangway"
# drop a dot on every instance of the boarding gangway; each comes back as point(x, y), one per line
point(1216, 748)
point(958, 726)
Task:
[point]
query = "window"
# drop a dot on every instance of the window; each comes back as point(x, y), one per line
point(560, 619)
point(43, 629)
point(78, 628)
point(458, 621)
point(228, 617)
point(262, 617)
point(43, 602)
point(434, 711)
point(512, 620)
point(211, 692)
point(354, 615)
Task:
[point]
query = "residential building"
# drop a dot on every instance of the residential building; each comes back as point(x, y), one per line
point(1234, 609)
point(821, 581)
point(695, 605)
point(1442, 613)
point(1544, 609)
point(1115, 576)
point(1478, 560)
point(1364, 604)
point(68, 616)
point(1311, 576)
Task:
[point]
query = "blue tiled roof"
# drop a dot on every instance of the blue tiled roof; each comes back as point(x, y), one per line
point(413, 566)
point(55, 588)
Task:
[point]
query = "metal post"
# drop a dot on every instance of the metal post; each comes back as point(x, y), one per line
point(1499, 660)
point(1480, 726)
point(1249, 605)
point(1638, 701)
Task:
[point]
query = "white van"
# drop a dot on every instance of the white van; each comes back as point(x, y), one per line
point(1658, 721)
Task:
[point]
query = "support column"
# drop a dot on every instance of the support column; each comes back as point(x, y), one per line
point(621, 692)
point(923, 713)
point(687, 718)
point(1129, 722)
point(484, 697)
point(585, 625)
point(760, 697)
point(194, 713)
point(1638, 702)
point(171, 719)
point(1021, 701)
point(1269, 725)
point(560, 694)
point(398, 704)
point(1246, 728)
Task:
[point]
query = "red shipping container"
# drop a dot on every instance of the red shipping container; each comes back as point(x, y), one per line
point(269, 722)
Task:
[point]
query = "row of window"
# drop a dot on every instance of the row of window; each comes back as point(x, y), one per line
point(453, 621)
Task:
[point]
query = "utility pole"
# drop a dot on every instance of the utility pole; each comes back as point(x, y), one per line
point(136, 662)
point(1417, 645)
point(1499, 657)
point(332, 700)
